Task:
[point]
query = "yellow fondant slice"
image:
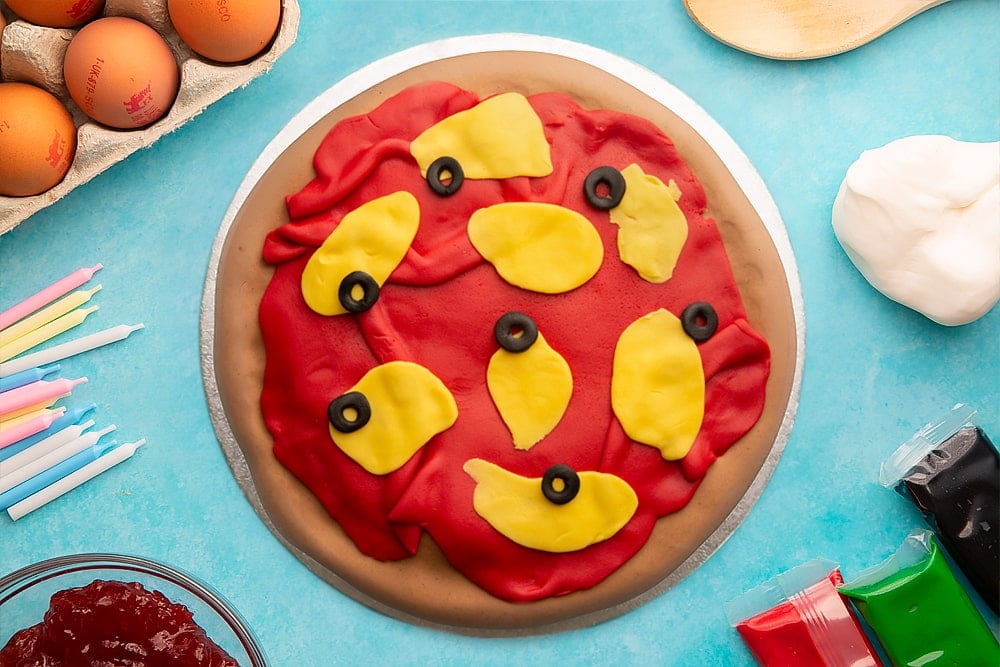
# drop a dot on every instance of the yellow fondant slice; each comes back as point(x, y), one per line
point(372, 238)
point(531, 389)
point(409, 406)
point(658, 385)
point(539, 247)
point(501, 137)
point(516, 507)
point(652, 227)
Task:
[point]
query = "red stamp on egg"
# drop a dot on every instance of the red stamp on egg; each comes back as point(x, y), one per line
point(57, 151)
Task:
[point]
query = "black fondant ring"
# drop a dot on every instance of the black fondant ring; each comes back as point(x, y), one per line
point(369, 289)
point(515, 332)
point(611, 179)
point(450, 168)
point(699, 321)
point(569, 488)
point(352, 400)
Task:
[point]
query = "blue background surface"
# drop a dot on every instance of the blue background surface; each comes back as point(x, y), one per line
point(874, 371)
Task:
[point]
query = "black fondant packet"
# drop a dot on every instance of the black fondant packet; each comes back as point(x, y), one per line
point(951, 470)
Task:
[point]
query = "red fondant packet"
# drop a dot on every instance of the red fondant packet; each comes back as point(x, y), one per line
point(799, 619)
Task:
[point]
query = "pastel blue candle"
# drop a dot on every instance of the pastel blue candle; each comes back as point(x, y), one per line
point(53, 474)
point(70, 417)
point(27, 377)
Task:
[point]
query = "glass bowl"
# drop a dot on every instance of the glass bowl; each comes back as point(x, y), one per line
point(25, 593)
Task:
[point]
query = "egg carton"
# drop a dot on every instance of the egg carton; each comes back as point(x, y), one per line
point(34, 54)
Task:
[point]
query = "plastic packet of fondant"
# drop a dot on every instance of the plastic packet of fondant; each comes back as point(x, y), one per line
point(918, 610)
point(799, 618)
point(951, 471)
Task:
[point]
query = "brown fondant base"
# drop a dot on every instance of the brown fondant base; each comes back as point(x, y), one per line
point(425, 588)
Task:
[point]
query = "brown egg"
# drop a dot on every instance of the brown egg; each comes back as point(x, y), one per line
point(37, 140)
point(56, 13)
point(121, 72)
point(3, 24)
point(228, 31)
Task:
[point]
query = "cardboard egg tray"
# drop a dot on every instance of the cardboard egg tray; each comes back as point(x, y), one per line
point(34, 54)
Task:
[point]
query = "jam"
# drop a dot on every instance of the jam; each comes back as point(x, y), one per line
point(114, 623)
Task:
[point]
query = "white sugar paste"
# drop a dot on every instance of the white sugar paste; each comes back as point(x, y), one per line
point(920, 219)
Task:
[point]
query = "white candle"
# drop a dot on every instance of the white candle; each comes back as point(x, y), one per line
point(73, 480)
point(43, 447)
point(73, 347)
point(43, 463)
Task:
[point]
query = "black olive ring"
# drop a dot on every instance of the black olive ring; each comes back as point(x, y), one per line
point(352, 400)
point(451, 167)
point(369, 288)
point(699, 321)
point(612, 179)
point(570, 484)
point(515, 332)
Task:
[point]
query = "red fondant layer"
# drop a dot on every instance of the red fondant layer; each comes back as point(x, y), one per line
point(438, 309)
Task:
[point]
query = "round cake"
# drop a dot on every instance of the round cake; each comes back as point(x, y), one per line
point(501, 354)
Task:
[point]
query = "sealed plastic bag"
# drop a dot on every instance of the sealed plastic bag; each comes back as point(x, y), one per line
point(919, 611)
point(799, 618)
point(951, 471)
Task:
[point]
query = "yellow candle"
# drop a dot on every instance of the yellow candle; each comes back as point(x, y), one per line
point(46, 315)
point(7, 424)
point(45, 332)
point(14, 414)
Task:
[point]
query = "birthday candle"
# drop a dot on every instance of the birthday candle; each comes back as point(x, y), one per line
point(27, 377)
point(47, 295)
point(73, 347)
point(41, 334)
point(36, 393)
point(8, 436)
point(73, 480)
point(43, 447)
point(9, 419)
point(46, 315)
point(53, 458)
point(68, 418)
point(21, 416)
point(53, 474)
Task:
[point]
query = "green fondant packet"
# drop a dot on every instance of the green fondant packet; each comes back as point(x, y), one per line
point(920, 612)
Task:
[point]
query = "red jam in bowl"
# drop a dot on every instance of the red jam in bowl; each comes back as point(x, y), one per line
point(114, 623)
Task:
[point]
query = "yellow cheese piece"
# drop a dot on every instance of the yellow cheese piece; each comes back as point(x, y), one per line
point(372, 238)
point(501, 137)
point(658, 384)
point(515, 506)
point(652, 227)
point(409, 406)
point(531, 389)
point(539, 247)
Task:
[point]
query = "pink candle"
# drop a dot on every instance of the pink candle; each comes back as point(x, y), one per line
point(41, 392)
point(29, 428)
point(47, 295)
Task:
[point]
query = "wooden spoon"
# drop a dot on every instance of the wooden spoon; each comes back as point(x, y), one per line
point(801, 29)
